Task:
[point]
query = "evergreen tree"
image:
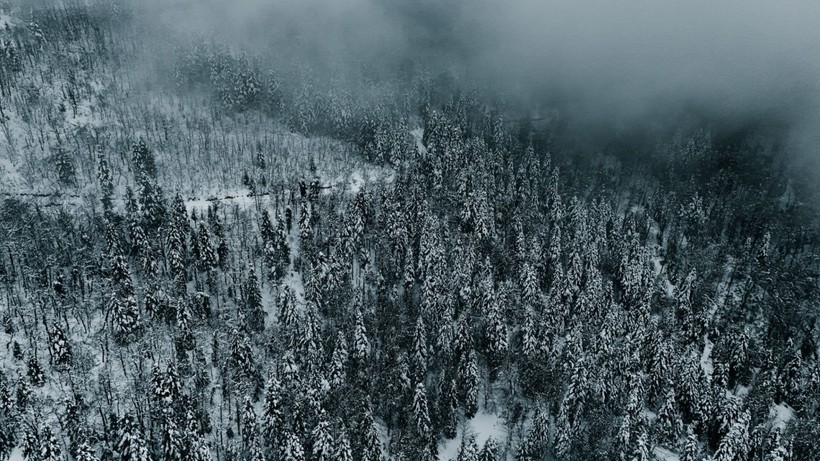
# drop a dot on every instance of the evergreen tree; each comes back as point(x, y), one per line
point(292, 449)
point(249, 429)
point(207, 254)
point(489, 452)
point(173, 442)
point(66, 172)
point(30, 445)
point(469, 381)
point(266, 227)
point(131, 445)
point(642, 449)
point(468, 450)
point(253, 303)
point(669, 420)
point(85, 452)
point(447, 406)
point(496, 332)
point(371, 449)
point(60, 348)
point(7, 436)
point(35, 372)
point(361, 345)
point(241, 358)
point(106, 183)
point(323, 443)
point(49, 446)
point(735, 443)
point(338, 362)
point(780, 450)
point(419, 351)
point(534, 444)
point(691, 451)
point(421, 414)
point(272, 414)
point(529, 337)
point(143, 159)
point(343, 451)
point(123, 306)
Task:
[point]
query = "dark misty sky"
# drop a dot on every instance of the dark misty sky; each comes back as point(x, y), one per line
point(620, 62)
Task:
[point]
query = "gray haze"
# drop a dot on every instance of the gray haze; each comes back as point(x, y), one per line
point(619, 64)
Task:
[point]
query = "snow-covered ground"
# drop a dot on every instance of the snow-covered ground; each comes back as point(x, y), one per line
point(706, 358)
point(6, 21)
point(482, 426)
point(780, 415)
point(664, 454)
point(10, 178)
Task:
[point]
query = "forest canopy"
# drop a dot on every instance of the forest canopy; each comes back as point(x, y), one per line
point(262, 231)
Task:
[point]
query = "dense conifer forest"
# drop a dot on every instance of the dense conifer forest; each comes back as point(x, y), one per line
point(209, 255)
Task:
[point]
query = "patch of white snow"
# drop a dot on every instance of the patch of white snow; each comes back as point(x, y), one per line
point(706, 358)
point(482, 426)
point(780, 415)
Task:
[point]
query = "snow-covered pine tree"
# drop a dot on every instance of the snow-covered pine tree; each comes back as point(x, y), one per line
point(143, 159)
point(30, 443)
point(272, 419)
point(105, 181)
point(534, 445)
point(85, 452)
point(468, 384)
point(173, 441)
point(322, 440)
point(468, 450)
point(66, 171)
point(691, 450)
point(266, 227)
point(152, 202)
point(130, 443)
point(207, 253)
point(49, 446)
point(292, 448)
point(361, 344)
point(61, 355)
point(342, 450)
point(447, 406)
point(249, 428)
point(125, 314)
point(489, 452)
point(496, 332)
point(780, 449)
point(337, 373)
point(36, 376)
point(421, 413)
point(370, 442)
point(419, 351)
point(736, 442)
point(670, 424)
point(255, 313)
point(7, 434)
point(642, 450)
point(242, 359)
point(530, 344)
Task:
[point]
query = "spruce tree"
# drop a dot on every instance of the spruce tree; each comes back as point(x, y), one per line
point(49, 446)
point(370, 442)
point(60, 348)
point(323, 443)
point(421, 413)
point(253, 303)
point(342, 451)
point(489, 452)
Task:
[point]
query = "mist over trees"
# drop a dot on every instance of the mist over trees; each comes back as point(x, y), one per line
point(295, 248)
